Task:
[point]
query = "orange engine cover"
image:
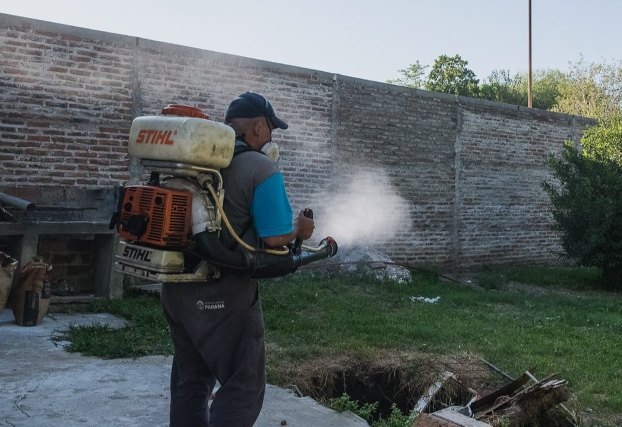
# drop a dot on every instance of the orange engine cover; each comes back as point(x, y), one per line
point(163, 216)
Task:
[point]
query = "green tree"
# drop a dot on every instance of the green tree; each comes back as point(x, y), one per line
point(588, 89)
point(413, 76)
point(591, 90)
point(501, 87)
point(545, 87)
point(587, 200)
point(451, 75)
point(604, 141)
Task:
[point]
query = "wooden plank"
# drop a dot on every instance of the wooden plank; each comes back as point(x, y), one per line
point(490, 399)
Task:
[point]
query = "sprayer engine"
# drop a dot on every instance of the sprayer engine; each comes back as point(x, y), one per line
point(185, 151)
point(155, 216)
point(152, 223)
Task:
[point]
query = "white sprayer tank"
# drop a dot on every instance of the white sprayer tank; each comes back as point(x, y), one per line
point(182, 134)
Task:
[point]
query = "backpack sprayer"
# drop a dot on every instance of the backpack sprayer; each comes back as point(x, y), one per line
point(184, 151)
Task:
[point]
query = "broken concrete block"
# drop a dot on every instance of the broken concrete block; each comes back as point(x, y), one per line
point(447, 418)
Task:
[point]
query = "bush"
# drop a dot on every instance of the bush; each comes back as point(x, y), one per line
point(587, 207)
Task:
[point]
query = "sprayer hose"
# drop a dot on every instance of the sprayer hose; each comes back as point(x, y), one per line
point(237, 238)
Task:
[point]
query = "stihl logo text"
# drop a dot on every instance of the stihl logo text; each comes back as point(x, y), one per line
point(135, 253)
point(150, 136)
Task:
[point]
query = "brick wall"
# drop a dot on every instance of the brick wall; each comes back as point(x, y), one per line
point(454, 181)
point(71, 259)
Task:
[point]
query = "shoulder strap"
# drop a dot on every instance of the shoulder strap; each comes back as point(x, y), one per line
point(238, 149)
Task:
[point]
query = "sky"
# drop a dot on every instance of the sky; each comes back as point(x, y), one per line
point(366, 39)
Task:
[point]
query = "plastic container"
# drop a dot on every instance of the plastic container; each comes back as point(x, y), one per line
point(190, 140)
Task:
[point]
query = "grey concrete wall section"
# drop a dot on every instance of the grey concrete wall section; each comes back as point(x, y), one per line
point(465, 173)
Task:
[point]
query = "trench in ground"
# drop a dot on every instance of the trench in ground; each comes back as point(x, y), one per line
point(402, 382)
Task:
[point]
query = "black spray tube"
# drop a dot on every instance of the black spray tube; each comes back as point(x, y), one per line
point(258, 264)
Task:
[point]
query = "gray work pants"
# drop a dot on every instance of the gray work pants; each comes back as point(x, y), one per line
point(218, 334)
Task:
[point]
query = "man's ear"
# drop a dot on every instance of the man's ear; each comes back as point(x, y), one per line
point(257, 125)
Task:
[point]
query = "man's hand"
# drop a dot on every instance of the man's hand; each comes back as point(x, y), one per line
point(303, 226)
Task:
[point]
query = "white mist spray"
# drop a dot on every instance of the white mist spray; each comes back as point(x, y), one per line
point(365, 210)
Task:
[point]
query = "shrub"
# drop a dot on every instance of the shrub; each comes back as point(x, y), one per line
point(587, 207)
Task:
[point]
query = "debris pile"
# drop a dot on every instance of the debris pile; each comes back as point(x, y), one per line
point(361, 259)
point(517, 404)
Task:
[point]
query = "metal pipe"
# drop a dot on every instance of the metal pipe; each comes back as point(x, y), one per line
point(529, 74)
point(16, 202)
point(490, 365)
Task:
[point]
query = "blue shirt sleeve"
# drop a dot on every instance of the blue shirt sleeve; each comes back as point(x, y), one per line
point(271, 211)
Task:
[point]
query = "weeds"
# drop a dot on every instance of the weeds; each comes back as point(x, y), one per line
point(397, 419)
point(344, 403)
point(367, 411)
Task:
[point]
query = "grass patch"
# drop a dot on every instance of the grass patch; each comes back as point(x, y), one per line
point(527, 320)
point(578, 336)
point(145, 334)
point(581, 279)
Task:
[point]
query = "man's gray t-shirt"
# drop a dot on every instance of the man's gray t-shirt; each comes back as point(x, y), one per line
point(255, 199)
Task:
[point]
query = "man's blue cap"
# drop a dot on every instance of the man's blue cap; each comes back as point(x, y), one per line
point(250, 105)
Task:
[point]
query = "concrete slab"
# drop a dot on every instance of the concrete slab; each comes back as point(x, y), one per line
point(447, 418)
point(42, 385)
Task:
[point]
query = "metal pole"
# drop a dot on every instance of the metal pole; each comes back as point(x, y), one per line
point(529, 93)
point(16, 202)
